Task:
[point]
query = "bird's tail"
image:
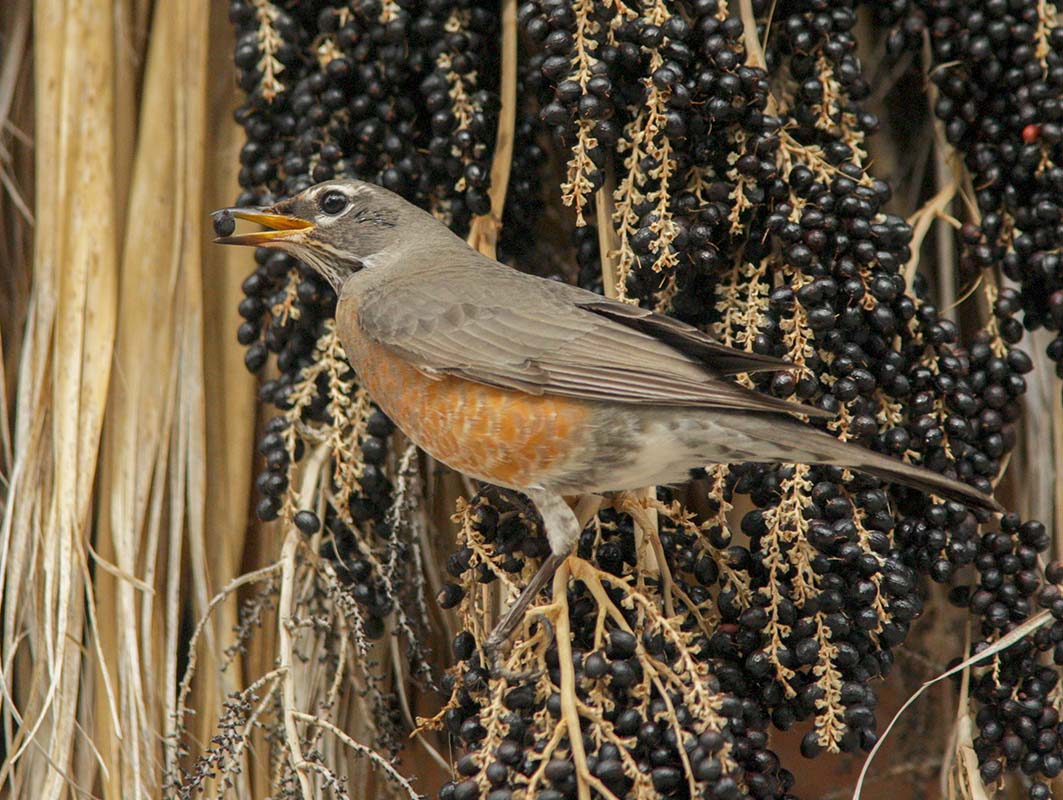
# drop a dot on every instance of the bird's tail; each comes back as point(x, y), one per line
point(925, 480)
point(800, 443)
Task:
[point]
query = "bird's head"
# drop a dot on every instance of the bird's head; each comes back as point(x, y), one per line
point(337, 227)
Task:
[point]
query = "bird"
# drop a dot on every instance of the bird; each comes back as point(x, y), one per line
point(535, 385)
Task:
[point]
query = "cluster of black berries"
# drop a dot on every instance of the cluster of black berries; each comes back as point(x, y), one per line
point(666, 94)
point(1018, 719)
point(722, 134)
point(577, 87)
point(526, 192)
point(719, 132)
point(402, 94)
point(998, 74)
point(655, 721)
point(997, 71)
point(460, 39)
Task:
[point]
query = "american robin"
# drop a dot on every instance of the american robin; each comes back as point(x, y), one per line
point(532, 384)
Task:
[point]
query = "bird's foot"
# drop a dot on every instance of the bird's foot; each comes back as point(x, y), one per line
point(515, 614)
point(494, 651)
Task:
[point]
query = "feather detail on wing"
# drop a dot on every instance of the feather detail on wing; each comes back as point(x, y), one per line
point(529, 334)
point(686, 339)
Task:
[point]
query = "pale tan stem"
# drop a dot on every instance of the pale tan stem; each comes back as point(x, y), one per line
point(569, 710)
point(608, 241)
point(286, 648)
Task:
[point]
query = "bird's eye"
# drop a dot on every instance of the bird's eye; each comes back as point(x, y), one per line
point(333, 203)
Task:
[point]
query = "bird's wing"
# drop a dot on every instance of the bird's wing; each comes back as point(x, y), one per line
point(493, 325)
point(718, 358)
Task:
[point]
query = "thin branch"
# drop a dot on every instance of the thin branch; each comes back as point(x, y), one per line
point(218, 599)
point(286, 648)
point(374, 757)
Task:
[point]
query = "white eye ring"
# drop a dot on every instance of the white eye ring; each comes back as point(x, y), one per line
point(333, 202)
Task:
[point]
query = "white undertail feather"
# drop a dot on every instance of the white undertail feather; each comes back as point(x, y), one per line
point(669, 448)
point(668, 452)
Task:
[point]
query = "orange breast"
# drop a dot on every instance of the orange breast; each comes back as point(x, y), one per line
point(502, 436)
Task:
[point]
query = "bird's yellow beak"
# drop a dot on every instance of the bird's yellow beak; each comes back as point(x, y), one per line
point(281, 226)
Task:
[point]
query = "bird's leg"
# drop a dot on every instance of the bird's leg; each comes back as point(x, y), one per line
point(515, 613)
point(562, 530)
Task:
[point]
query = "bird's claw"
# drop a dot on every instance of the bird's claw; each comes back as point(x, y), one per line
point(492, 650)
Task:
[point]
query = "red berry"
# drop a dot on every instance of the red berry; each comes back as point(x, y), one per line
point(1031, 133)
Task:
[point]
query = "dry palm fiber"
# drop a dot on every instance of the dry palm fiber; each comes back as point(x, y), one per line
point(93, 178)
point(154, 509)
point(66, 359)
